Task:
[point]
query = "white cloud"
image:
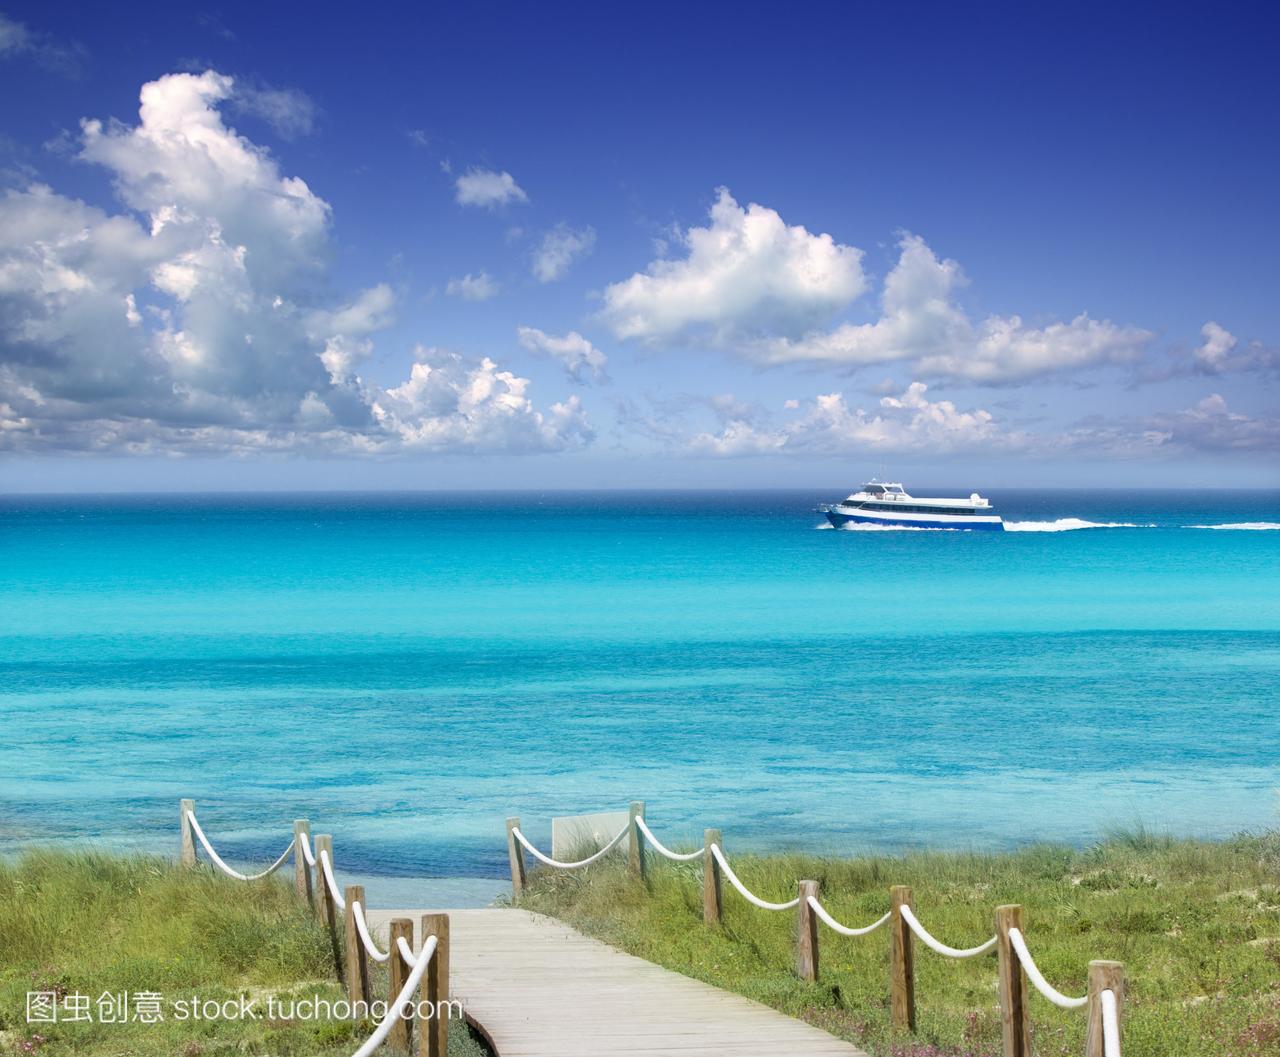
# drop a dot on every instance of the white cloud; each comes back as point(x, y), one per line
point(746, 272)
point(479, 287)
point(560, 247)
point(758, 288)
point(16, 38)
point(448, 403)
point(584, 362)
point(211, 325)
point(1220, 353)
point(921, 322)
point(485, 187)
point(908, 422)
point(290, 111)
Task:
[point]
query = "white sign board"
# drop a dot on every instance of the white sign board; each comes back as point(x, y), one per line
point(576, 835)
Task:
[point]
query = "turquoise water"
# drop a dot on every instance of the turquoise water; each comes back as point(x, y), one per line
point(408, 670)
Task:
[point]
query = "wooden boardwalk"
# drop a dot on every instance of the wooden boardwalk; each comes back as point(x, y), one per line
point(540, 989)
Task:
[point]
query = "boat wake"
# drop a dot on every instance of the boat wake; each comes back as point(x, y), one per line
point(1244, 526)
point(1067, 524)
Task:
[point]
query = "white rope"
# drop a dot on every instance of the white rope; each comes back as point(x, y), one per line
point(394, 1013)
point(937, 945)
point(569, 865)
point(1110, 1024)
point(662, 849)
point(406, 952)
point(362, 927)
point(338, 901)
point(1036, 977)
point(844, 930)
point(307, 854)
point(763, 904)
point(217, 859)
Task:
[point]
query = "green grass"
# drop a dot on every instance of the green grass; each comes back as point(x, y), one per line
point(1190, 920)
point(89, 923)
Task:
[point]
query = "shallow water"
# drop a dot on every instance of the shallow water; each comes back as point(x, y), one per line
point(409, 670)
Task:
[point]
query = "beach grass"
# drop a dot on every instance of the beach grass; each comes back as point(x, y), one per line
point(92, 924)
point(1196, 924)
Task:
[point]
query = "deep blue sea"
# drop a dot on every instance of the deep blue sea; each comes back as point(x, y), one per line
point(408, 670)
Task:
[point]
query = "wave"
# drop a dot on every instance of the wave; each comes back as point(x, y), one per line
point(864, 526)
point(1246, 526)
point(1066, 524)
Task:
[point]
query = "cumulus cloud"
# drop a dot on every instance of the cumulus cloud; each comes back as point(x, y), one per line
point(487, 188)
point(478, 287)
point(582, 360)
point(559, 248)
point(210, 325)
point(758, 288)
point(907, 422)
point(921, 322)
point(744, 273)
point(1220, 353)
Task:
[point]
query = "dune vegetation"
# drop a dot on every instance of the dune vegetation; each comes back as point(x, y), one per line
point(88, 928)
point(1196, 924)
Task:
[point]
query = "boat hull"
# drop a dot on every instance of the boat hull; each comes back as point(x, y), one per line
point(960, 523)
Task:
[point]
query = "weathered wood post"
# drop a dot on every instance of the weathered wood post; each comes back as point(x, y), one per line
point(1015, 1024)
point(401, 1031)
point(301, 874)
point(433, 1034)
point(635, 840)
point(188, 838)
point(806, 933)
point(902, 978)
point(1103, 976)
point(516, 854)
point(712, 896)
point(326, 908)
point(357, 959)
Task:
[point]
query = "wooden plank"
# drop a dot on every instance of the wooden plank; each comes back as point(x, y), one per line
point(357, 958)
point(538, 988)
point(400, 928)
point(188, 837)
point(902, 976)
point(301, 874)
point(806, 932)
point(515, 854)
point(433, 1031)
point(1015, 1023)
point(712, 889)
point(1103, 976)
point(635, 841)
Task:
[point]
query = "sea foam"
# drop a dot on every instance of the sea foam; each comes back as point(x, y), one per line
point(1244, 526)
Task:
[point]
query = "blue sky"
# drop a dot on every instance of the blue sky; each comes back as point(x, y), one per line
point(686, 245)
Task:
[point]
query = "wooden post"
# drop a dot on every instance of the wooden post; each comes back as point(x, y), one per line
point(433, 1035)
point(325, 906)
point(357, 959)
point(401, 1032)
point(712, 896)
point(301, 875)
point(806, 933)
point(515, 853)
point(188, 838)
point(1015, 1024)
point(902, 978)
point(1103, 976)
point(635, 840)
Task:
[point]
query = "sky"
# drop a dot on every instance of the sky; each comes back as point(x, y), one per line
point(670, 245)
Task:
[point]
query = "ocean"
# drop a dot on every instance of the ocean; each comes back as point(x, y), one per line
point(406, 670)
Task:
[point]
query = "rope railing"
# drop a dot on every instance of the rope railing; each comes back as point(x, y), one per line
point(1106, 979)
point(1009, 942)
point(845, 930)
point(743, 890)
point(362, 927)
point(548, 861)
point(935, 944)
point(216, 859)
point(662, 849)
point(403, 1000)
point(353, 951)
point(1037, 977)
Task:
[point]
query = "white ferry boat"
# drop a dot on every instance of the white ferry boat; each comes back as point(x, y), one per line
point(887, 503)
